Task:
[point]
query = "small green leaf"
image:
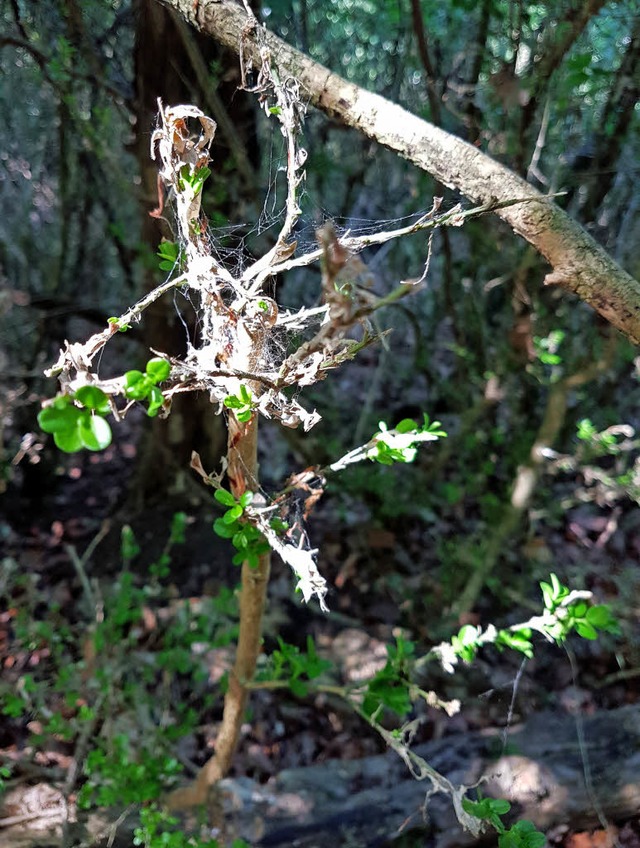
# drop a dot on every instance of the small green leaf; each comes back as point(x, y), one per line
point(500, 806)
point(156, 399)
point(600, 616)
point(168, 251)
point(223, 530)
point(252, 558)
point(158, 369)
point(579, 609)
point(239, 539)
point(585, 630)
point(137, 385)
point(522, 834)
point(386, 689)
point(132, 378)
point(232, 514)
point(547, 595)
point(224, 497)
point(59, 418)
point(93, 398)
point(68, 441)
point(517, 641)
point(407, 425)
point(94, 432)
point(178, 527)
point(298, 688)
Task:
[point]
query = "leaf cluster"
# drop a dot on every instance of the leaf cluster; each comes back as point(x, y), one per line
point(144, 386)
point(243, 403)
point(391, 686)
point(248, 541)
point(77, 421)
point(295, 666)
point(117, 775)
point(585, 618)
point(564, 612)
point(159, 829)
point(400, 443)
point(522, 834)
point(190, 181)
point(171, 255)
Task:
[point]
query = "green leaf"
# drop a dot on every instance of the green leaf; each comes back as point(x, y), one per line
point(94, 432)
point(156, 399)
point(232, 514)
point(59, 418)
point(225, 498)
point(129, 547)
point(168, 251)
point(517, 641)
point(490, 809)
point(386, 689)
point(298, 688)
point(499, 806)
point(585, 630)
point(245, 499)
point(158, 369)
point(225, 531)
point(239, 539)
point(579, 609)
point(132, 378)
point(68, 441)
point(178, 527)
point(137, 386)
point(93, 398)
point(547, 595)
point(407, 425)
point(522, 834)
point(600, 616)
point(244, 416)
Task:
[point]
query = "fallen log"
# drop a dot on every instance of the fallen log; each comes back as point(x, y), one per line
point(555, 770)
point(559, 770)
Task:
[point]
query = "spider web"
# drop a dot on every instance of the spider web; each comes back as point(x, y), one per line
point(237, 244)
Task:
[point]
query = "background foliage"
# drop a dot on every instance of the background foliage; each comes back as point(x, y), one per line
point(540, 471)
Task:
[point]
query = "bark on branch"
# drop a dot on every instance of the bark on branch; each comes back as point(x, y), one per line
point(578, 263)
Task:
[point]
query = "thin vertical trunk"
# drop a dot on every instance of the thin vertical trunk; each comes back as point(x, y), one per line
point(242, 474)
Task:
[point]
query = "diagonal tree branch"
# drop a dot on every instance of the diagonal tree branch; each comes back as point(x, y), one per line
point(577, 262)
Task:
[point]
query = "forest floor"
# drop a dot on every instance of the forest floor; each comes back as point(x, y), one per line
point(384, 580)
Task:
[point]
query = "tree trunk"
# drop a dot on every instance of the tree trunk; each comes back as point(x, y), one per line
point(578, 263)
